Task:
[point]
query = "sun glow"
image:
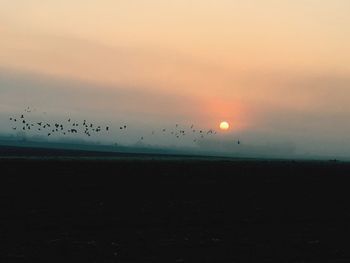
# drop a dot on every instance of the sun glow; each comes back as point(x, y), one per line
point(224, 125)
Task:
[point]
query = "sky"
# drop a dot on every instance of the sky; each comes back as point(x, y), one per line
point(277, 70)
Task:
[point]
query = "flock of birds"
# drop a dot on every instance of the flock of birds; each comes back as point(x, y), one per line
point(180, 132)
point(85, 128)
point(49, 128)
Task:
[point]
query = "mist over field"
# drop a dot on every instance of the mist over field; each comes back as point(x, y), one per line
point(147, 113)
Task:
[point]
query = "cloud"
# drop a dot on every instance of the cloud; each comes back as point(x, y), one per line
point(317, 128)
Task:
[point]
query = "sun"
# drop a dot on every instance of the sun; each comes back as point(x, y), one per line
point(224, 125)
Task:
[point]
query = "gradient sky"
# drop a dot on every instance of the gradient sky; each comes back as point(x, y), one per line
point(277, 70)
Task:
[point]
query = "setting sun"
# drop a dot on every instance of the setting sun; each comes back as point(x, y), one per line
point(224, 125)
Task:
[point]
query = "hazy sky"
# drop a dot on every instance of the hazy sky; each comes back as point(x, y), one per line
point(275, 69)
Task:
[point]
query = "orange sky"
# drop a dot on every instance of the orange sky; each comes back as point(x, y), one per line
point(238, 60)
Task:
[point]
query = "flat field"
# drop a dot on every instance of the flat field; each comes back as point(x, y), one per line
point(173, 210)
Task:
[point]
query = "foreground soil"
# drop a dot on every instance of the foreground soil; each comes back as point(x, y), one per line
point(174, 211)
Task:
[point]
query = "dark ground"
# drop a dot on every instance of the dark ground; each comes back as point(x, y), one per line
point(174, 211)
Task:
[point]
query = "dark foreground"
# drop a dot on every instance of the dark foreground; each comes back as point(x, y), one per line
point(174, 211)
